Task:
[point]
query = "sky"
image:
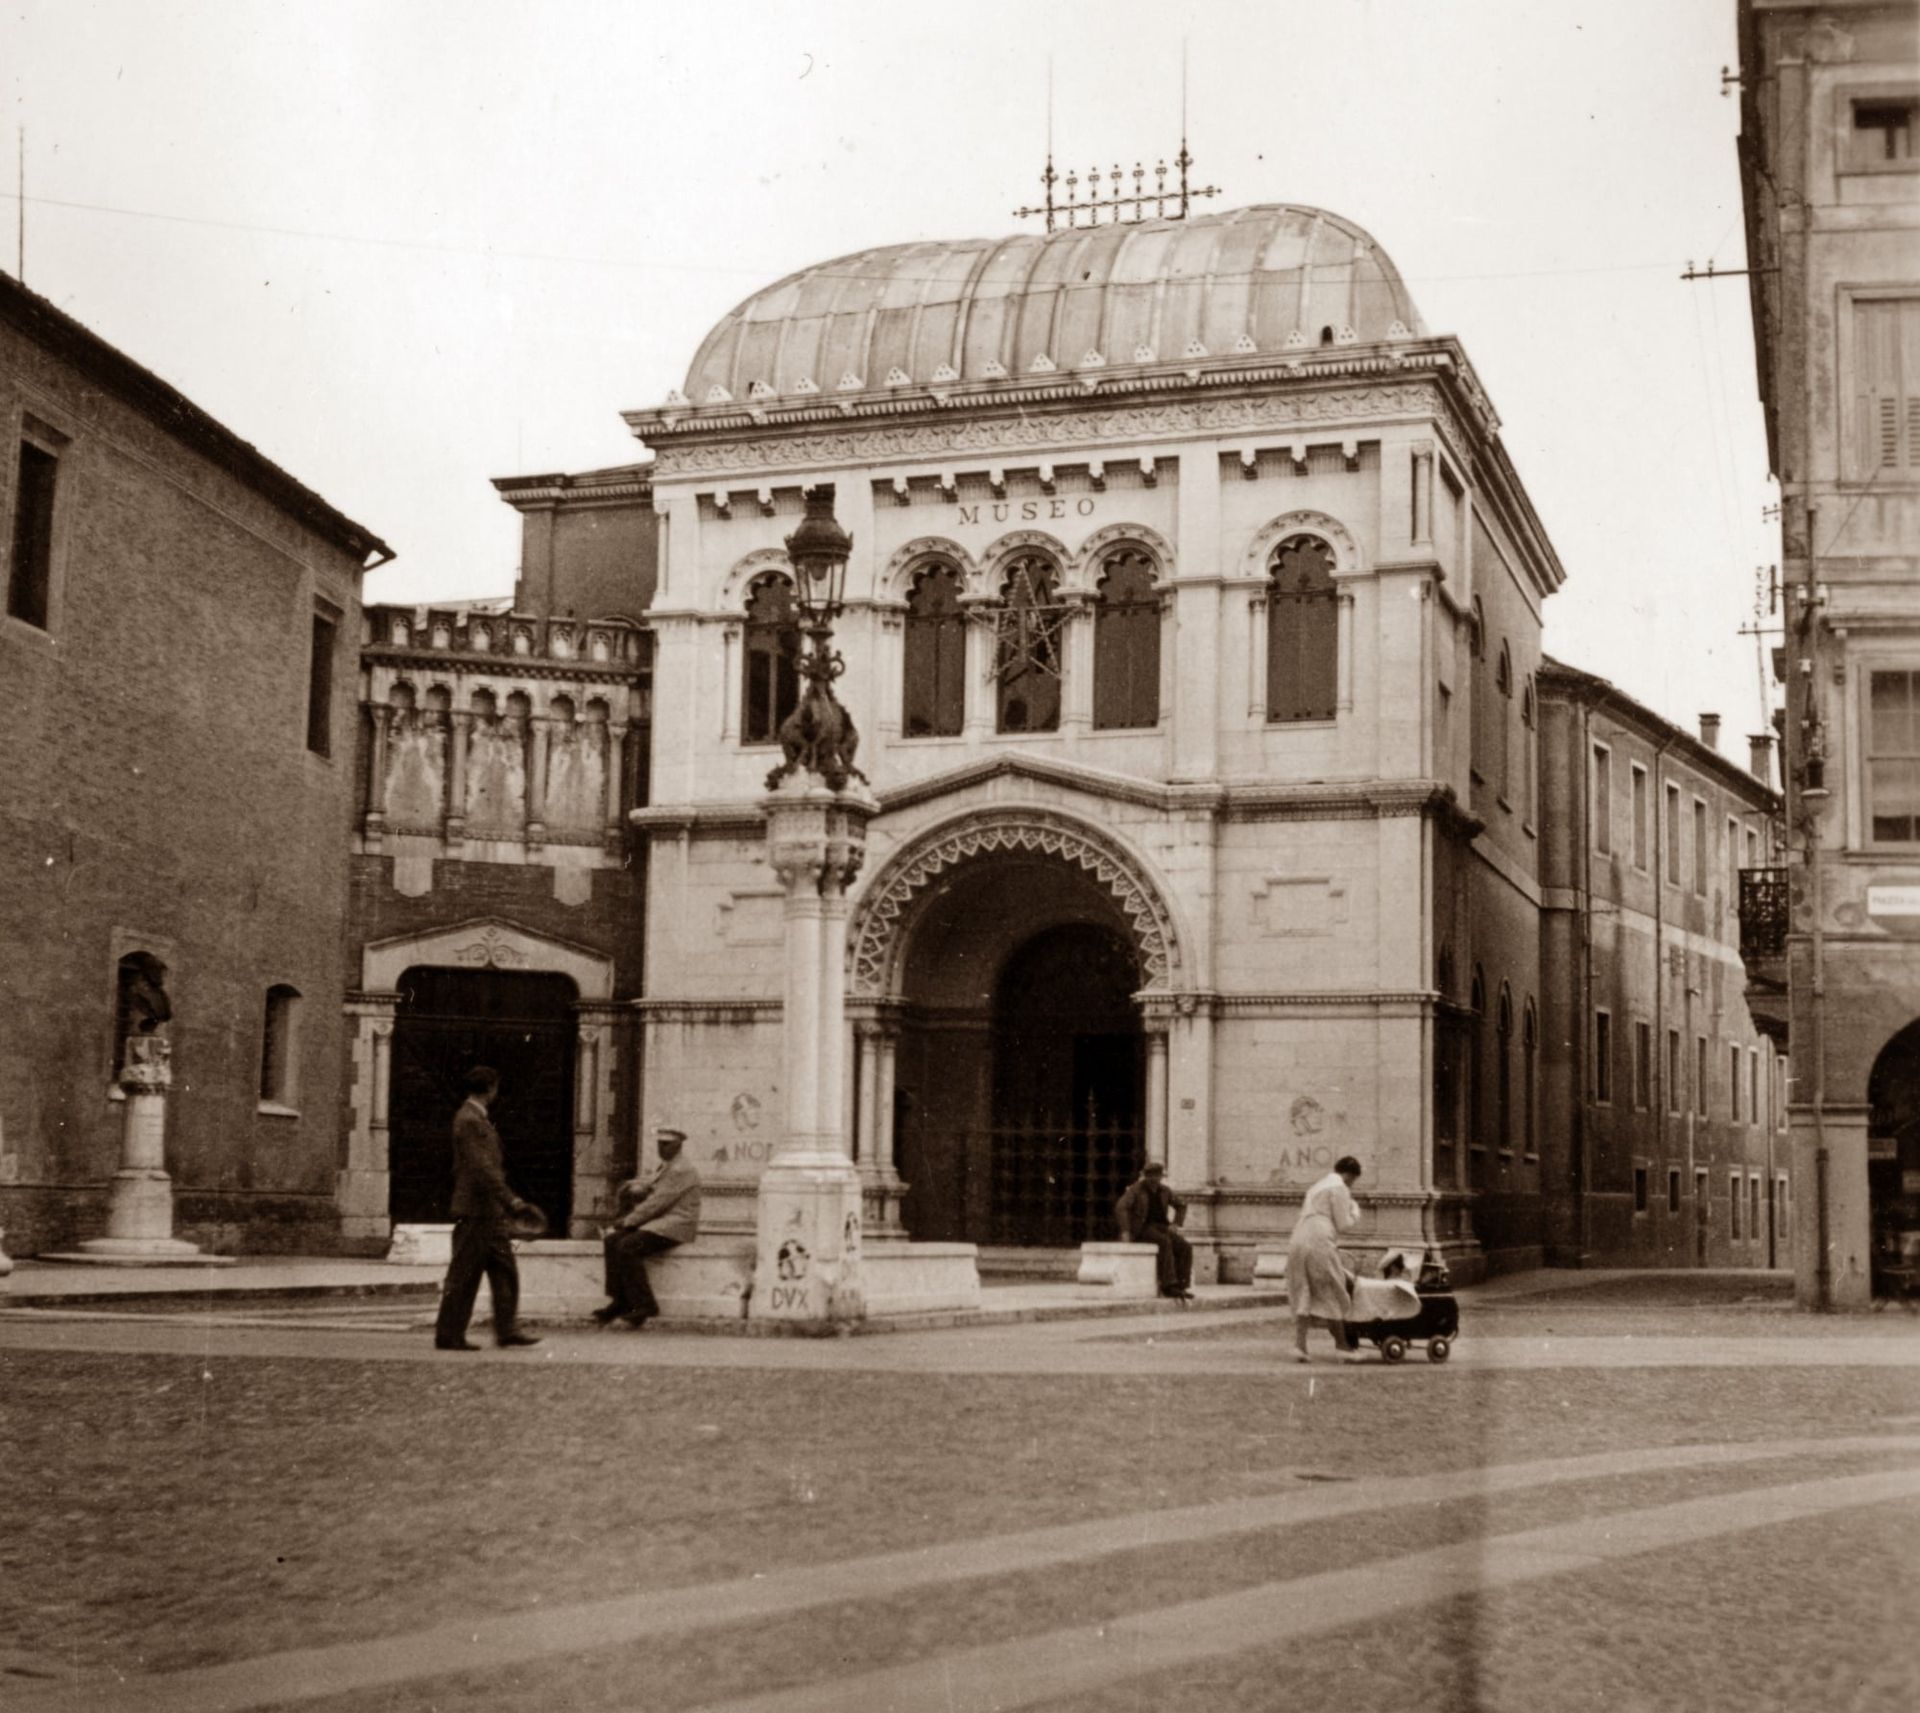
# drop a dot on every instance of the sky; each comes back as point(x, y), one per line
point(407, 246)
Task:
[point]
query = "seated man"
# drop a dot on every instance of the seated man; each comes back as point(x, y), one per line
point(1149, 1212)
point(658, 1211)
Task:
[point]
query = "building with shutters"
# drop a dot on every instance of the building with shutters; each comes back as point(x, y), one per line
point(1830, 175)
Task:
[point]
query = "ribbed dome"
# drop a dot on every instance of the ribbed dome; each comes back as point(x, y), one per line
point(1270, 278)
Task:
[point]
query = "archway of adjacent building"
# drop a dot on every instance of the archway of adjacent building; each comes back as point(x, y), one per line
point(1893, 1164)
point(449, 1020)
point(1019, 1111)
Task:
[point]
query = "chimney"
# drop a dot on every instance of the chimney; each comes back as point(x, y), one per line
point(1760, 757)
point(1710, 730)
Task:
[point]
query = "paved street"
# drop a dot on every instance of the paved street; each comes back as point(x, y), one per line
point(1621, 1493)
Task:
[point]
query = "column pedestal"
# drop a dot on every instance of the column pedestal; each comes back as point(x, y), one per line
point(807, 1248)
point(140, 1214)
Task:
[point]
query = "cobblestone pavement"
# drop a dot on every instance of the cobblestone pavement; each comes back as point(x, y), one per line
point(1658, 1494)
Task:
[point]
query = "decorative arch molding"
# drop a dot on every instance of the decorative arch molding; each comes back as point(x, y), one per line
point(1152, 541)
point(734, 586)
point(485, 942)
point(1346, 551)
point(993, 561)
point(878, 933)
point(898, 575)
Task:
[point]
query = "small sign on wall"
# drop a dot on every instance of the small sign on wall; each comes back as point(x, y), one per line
point(1898, 906)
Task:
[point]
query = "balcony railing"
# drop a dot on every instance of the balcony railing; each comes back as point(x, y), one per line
point(1765, 912)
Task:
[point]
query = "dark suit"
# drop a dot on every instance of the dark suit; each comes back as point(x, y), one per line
point(1148, 1213)
point(482, 1199)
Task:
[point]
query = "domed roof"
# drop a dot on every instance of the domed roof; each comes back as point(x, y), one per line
point(1270, 278)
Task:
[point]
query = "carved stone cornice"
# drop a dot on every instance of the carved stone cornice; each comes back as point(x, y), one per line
point(820, 438)
point(445, 663)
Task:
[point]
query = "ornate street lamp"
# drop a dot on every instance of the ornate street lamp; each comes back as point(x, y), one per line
point(818, 736)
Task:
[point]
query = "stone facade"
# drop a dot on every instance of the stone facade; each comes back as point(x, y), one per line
point(1673, 1151)
point(1831, 181)
point(1295, 906)
point(179, 763)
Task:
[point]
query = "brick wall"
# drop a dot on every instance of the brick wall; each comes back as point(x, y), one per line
point(160, 796)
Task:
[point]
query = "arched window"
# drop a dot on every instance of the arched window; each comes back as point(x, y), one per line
point(770, 684)
point(1529, 754)
point(1126, 643)
point(1302, 631)
point(936, 656)
point(1026, 664)
point(1503, 712)
point(1503, 1046)
point(1529, 1058)
point(1477, 687)
point(279, 1047)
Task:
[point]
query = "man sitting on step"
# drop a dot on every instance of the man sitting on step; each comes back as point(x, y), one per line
point(1149, 1212)
point(659, 1210)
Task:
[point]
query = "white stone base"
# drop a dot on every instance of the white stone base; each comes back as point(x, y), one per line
point(1121, 1269)
point(920, 1278)
point(421, 1245)
point(139, 1252)
point(563, 1279)
point(1270, 1267)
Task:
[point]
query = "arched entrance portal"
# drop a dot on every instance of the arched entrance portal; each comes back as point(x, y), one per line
point(1019, 1074)
point(449, 1020)
point(1893, 1164)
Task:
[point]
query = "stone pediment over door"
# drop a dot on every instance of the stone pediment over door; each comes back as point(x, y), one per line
point(485, 942)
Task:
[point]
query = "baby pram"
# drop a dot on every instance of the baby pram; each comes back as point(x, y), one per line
point(1393, 1313)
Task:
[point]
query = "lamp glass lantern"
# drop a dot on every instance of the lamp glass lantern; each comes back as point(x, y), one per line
point(819, 550)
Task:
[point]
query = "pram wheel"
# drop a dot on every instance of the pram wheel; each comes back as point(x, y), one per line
point(1393, 1349)
point(1439, 1349)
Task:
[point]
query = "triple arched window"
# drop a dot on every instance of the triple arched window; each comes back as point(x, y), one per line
point(770, 679)
point(1302, 631)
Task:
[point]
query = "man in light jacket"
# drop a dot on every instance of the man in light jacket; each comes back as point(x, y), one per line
point(658, 1211)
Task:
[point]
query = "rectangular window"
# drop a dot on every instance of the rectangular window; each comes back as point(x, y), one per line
point(1733, 1084)
point(1643, 1066)
point(278, 1047)
point(326, 628)
point(1886, 388)
point(1733, 866)
point(1702, 1201)
point(1754, 1113)
point(1673, 1189)
point(1673, 1070)
point(30, 568)
point(1753, 1207)
point(1780, 1091)
point(1880, 138)
point(1699, 847)
point(1602, 800)
point(1640, 828)
point(1700, 1075)
point(1733, 1206)
point(1639, 1189)
point(1602, 1057)
point(1673, 835)
point(1893, 756)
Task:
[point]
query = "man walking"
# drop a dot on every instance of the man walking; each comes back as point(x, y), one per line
point(658, 1211)
point(1149, 1212)
point(482, 1200)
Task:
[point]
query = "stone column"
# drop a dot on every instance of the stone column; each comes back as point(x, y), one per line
point(1156, 1113)
point(361, 1187)
point(374, 825)
point(539, 736)
point(614, 822)
point(140, 1214)
point(1422, 526)
point(878, 1040)
point(807, 1255)
point(461, 721)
